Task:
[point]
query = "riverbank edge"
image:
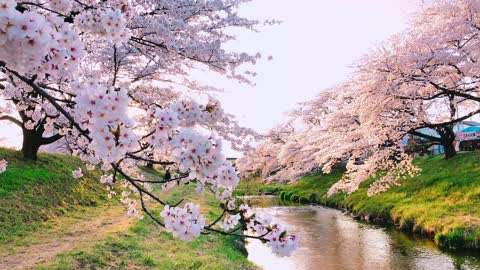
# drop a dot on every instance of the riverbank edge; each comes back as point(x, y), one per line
point(442, 203)
point(444, 241)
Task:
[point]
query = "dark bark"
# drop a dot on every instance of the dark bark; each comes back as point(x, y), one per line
point(447, 140)
point(450, 151)
point(32, 141)
point(447, 133)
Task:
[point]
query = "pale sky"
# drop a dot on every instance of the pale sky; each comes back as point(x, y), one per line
point(312, 49)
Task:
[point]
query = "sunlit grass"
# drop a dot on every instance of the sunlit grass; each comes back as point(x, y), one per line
point(32, 192)
point(40, 200)
point(148, 246)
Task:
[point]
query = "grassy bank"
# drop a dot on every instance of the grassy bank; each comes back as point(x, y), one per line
point(41, 203)
point(442, 202)
point(33, 192)
point(148, 246)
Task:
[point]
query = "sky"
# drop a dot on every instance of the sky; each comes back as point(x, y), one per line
point(313, 48)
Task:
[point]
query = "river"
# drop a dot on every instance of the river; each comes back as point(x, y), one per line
point(332, 240)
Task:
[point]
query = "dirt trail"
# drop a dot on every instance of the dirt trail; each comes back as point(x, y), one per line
point(73, 234)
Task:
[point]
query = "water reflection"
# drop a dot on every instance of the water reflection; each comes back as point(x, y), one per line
point(332, 240)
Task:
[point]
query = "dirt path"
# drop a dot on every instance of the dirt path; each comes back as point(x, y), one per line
point(68, 234)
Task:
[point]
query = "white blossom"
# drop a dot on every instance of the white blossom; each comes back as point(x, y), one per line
point(3, 165)
point(77, 173)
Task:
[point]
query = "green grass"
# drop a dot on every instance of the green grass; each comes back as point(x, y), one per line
point(33, 195)
point(443, 201)
point(147, 246)
point(255, 186)
point(32, 192)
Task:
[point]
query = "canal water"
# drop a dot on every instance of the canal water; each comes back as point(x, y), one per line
point(332, 240)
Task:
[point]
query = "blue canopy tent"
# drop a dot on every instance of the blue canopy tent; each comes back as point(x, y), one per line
point(468, 138)
point(470, 129)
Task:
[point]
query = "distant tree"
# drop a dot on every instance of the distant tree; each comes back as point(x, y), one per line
point(426, 77)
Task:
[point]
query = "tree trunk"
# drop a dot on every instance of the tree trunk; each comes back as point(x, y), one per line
point(32, 141)
point(450, 151)
point(447, 139)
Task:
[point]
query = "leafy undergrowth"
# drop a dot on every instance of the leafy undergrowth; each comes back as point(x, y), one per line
point(32, 192)
point(148, 246)
point(443, 201)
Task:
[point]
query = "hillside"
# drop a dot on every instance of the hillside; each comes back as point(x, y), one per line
point(442, 202)
point(48, 220)
point(32, 192)
point(146, 246)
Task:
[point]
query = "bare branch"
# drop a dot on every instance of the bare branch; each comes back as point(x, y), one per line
point(12, 119)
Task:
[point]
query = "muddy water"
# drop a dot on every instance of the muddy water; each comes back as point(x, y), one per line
point(333, 240)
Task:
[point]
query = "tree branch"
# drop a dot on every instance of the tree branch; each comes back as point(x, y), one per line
point(51, 99)
point(425, 136)
point(12, 119)
point(132, 156)
point(51, 139)
point(455, 93)
point(453, 121)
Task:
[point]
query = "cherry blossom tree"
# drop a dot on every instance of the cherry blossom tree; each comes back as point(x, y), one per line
point(426, 77)
point(264, 159)
point(100, 74)
point(431, 70)
point(152, 49)
point(334, 129)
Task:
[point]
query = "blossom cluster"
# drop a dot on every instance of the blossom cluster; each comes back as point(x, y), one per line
point(229, 222)
point(32, 43)
point(190, 112)
point(194, 152)
point(108, 23)
point(185, 113)
point(167, 122)
point(3, 165)
point(103, 111)
point(201, 155)
point(129, 203)
point(227, 176)
point(77, 173)
point(280, 241)
point(184, 222)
